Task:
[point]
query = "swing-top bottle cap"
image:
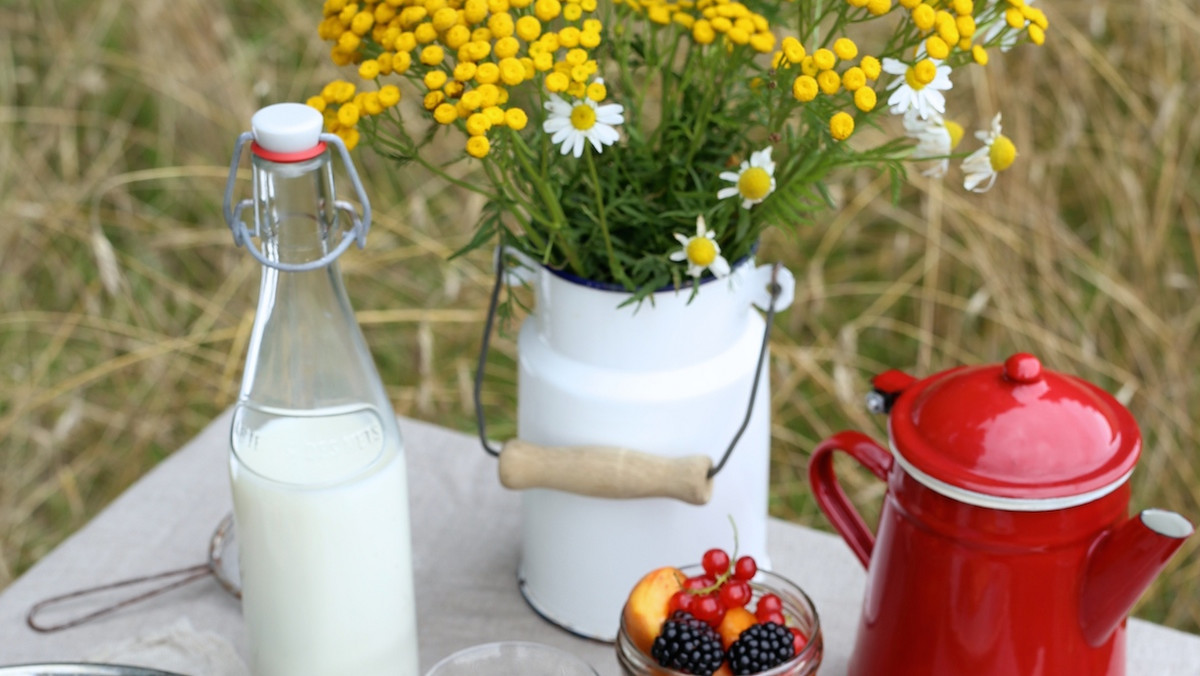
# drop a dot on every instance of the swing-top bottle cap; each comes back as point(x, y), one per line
point(287, 132)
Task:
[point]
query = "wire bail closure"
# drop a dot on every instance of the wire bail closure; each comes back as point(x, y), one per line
point(242, 235)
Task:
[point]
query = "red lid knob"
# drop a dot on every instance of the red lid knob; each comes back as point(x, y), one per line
point(1023, 368)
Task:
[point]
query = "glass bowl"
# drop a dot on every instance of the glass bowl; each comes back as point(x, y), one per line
point(798, 609)
point(506, 658)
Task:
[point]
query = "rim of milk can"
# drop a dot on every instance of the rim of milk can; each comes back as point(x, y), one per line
point(524, 465)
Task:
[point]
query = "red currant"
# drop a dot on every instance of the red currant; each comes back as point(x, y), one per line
point(735, 594)
point(681, 600)
point(715, 562)
point(699, 582)
point(799, 640)
point(745, 568)
point(708, 609)
point(773, 616)
point(770, 603)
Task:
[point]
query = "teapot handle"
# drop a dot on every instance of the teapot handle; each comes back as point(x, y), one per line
point(829, 494)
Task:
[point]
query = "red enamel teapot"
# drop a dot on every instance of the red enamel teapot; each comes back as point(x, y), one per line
point(1003, 547)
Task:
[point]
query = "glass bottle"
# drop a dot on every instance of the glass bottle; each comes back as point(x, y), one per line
point(316, 464)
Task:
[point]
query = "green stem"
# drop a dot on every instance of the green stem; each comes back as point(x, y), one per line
point(558, 218)
point(524, 218)
point(613, 263)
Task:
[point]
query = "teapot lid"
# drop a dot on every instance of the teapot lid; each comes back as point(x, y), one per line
point(1014, 431)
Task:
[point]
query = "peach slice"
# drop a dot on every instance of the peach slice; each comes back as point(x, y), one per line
point(736, 621)
point(649, 605)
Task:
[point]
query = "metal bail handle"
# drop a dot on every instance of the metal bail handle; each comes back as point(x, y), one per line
point(243, 237)
point(613, 471)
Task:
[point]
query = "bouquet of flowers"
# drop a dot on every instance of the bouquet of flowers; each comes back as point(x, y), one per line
point(640, 142)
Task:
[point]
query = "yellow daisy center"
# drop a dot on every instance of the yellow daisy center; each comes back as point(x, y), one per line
point(956, 133)
point(1003, 153)
point(754, 183)
point(583, 117)
point(910, 77)
point(701, 251)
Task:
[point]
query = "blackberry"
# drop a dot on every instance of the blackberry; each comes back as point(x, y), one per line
point(761, 647)
point(688, 645)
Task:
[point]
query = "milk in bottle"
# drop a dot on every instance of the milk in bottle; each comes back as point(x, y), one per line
point(317, 465)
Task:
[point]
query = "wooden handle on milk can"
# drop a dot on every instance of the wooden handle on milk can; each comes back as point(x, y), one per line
point(605, 472)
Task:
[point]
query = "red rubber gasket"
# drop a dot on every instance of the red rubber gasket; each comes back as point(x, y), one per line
point(299, 156)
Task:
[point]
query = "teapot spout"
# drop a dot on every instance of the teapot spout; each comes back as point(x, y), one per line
point(1122, 563)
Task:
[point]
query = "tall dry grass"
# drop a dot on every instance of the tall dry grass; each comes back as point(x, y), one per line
point(125, 309)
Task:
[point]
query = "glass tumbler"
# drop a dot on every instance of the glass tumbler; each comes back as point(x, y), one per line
point(512, 658)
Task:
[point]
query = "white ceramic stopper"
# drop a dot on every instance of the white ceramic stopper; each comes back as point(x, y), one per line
point(287, 127)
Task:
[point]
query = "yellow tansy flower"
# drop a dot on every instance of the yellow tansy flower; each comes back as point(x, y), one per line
point(865, 99)
point(457, 36)
point(845, 49)
point(793, 49)
point(478, 146)
point(547, 9)
point(443, 19)
point(349, 136)
point(362, 22)
point(389, 95)
point(569, 37)
point(487, 73)
point(871, 67)
point(703, 33)
point(435, 79)
point(501, 25)
point(495, 115)
point(506, 47)
point(432, 55)
point(528, 28)
point(879, 7)
point(478, 124)
point(853, 78)
point(475, 11)
point(512, 72)
point(841, 126)
point(762, 42)
point(804, 88)
point(371, 104)
point(936, 47)
point(515, 118)
point(348, 115)
point(445, 113)
point(923, 16)
point(829, 82)
point(824, 59)
point(425, 33)
point(464, 71)
point(557, 82)
point(433, 99)
point(596, 91)
point(966, 26)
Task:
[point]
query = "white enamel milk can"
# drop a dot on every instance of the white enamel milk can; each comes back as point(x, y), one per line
point(642, 431)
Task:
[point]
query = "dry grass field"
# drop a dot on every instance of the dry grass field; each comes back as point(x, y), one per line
point(125, 308)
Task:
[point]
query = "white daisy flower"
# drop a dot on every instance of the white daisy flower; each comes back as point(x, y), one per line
point(995, 156)
point(574, 123)
point(701, 252)
point(936, 137)
point(754, 180)
point(918, 87)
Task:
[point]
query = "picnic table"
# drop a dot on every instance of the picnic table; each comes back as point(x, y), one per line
point(465, 548)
